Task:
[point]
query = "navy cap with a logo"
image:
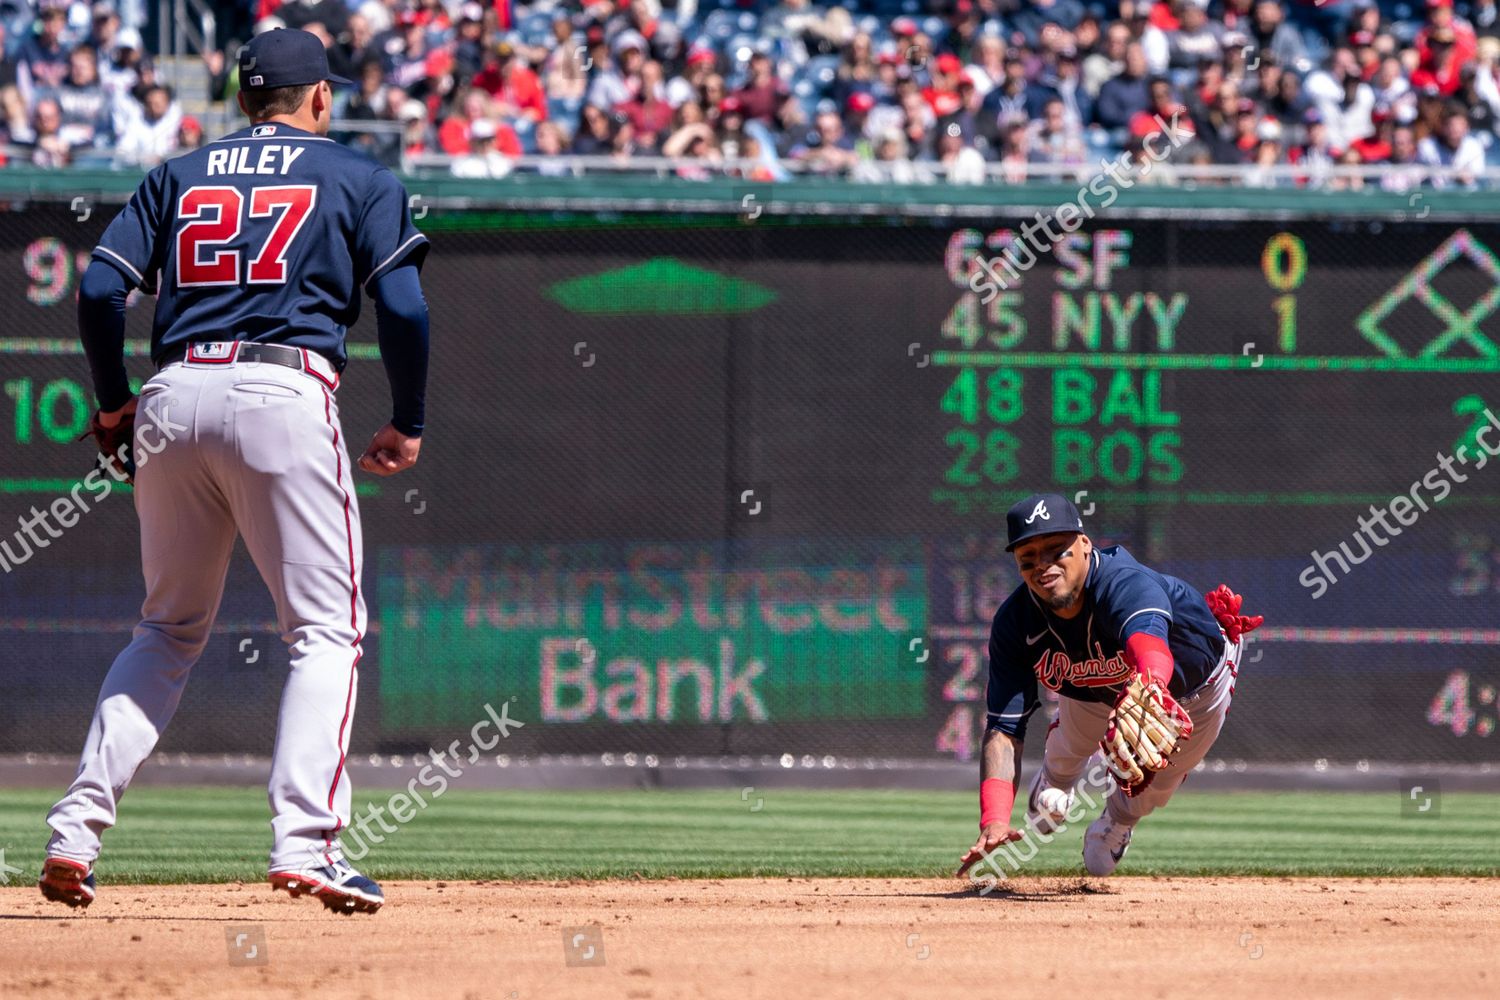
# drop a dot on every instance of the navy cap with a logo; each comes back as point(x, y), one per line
point(284, 57)
point(1040, 514)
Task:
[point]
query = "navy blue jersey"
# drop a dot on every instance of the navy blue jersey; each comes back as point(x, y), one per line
point(1084, 657)
point(266, 235)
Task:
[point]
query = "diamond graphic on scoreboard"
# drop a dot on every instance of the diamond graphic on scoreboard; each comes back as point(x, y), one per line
point(662, 286)
point(1461, 327)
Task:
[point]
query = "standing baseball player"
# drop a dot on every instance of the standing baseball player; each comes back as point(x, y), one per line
point(1144, 666)
point(256, 247)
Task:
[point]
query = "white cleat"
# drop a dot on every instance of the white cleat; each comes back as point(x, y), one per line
point(1104, 844)
point(1047, 808)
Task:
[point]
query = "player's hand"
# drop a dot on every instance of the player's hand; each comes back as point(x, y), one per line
point(990, 838)
point(389, 452)
point(113, 417)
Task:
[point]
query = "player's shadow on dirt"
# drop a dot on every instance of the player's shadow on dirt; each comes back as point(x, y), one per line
point(1037, 890)
point(1020, 890)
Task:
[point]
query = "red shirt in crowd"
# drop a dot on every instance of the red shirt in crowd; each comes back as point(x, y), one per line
point(453, 136)
point(1372, 149)
point(650, 117)
point(519, 85)
point(761, 102)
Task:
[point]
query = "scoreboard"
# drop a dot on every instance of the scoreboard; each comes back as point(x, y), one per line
point(1092, 374)
point(704, 485)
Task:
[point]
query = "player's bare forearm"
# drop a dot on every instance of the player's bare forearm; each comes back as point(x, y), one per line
point(1000, 760)
point(1001, 757)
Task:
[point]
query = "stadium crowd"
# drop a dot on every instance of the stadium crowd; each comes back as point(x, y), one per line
point(899, 90)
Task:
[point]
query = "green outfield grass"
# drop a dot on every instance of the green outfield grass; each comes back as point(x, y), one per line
point(218, 834)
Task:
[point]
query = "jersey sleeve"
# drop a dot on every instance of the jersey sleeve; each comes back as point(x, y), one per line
point(133, 244)
point(386, 237)
point(1134, 602)
point(1011, 696)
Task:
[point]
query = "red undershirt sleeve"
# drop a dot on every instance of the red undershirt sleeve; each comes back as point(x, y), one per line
point(1150, 655)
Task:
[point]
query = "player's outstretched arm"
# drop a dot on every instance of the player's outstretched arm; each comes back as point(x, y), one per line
point(999, 770)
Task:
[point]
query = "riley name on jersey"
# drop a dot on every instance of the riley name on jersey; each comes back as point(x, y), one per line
point(272, 158)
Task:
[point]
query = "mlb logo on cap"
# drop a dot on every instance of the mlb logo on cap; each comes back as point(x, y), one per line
point(257, 80)
point(1040, 514)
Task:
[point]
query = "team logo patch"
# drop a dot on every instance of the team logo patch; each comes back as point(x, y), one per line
point(260, 130)
point(1039, 511)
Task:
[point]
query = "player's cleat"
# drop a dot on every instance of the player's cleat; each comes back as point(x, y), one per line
point(1104, 844)
point(67, 881)
point(336, 884)
point(1047, 808)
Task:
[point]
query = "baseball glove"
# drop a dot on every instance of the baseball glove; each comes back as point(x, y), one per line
point(1146, 728)
point(116, 446)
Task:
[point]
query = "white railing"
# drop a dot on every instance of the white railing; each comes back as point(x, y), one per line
point(1385, 177)
point(1341, 177)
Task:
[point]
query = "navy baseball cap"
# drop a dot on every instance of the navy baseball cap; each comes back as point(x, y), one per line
point(284, 57)
point(1041, 514)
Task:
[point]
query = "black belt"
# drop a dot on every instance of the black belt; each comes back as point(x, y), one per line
point(269, 354)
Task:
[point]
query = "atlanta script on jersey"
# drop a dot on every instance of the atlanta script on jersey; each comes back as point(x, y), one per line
point(1084, 657)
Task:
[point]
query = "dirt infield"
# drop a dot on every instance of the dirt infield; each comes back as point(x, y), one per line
point(781, 938)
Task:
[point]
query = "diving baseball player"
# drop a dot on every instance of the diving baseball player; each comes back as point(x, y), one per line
point(1144, 666)
point(256, 247)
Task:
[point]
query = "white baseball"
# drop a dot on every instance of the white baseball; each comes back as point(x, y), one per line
point(1053, 804)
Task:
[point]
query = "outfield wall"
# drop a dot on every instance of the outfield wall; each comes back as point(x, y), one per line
point(728, 481)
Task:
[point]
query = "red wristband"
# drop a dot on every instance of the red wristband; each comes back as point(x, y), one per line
point(1151, 656)
point(996, 797)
